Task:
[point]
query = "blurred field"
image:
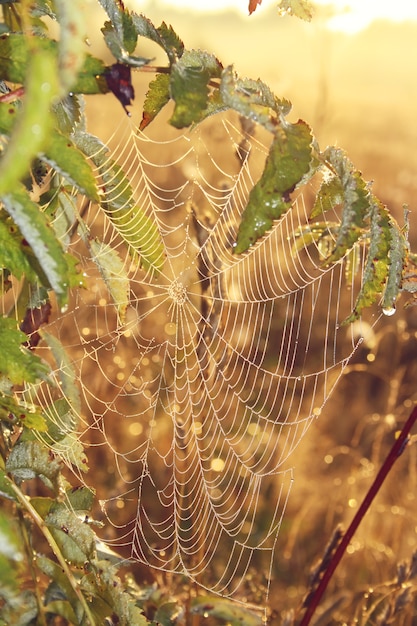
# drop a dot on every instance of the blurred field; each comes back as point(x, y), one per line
point(360, 93)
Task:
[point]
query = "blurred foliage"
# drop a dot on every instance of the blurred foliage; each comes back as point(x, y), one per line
point(51, 564)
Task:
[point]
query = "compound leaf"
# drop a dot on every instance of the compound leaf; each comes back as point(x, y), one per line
point(17, 362)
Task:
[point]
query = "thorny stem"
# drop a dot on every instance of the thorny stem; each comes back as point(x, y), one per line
point(396, 450)
point(25, 503)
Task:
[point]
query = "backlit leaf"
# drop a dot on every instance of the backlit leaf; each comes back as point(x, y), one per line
point(17, 362)
point(114, 274)
point(299, 8)
point(356, 202)
point(122, 23)
point(33, 126)
point(40, 236)
point(137, 229)
point(189, 86)
point(252, 98)
point(287, 163)
point(12, 256)
point(157, 96)
point(67, 160)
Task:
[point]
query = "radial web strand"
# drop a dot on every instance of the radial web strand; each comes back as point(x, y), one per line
point(195, 397)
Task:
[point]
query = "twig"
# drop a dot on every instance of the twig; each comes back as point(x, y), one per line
point(396, 451)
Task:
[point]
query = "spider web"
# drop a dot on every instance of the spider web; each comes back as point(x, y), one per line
point(193, 404)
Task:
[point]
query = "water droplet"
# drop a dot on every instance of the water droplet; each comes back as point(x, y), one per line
point(390, 310)
point(64, 308)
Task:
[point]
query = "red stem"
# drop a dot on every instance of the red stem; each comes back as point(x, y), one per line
point(394, 453)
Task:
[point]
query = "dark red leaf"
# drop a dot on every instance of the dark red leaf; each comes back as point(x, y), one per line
point(119, 81)
point(32, 321)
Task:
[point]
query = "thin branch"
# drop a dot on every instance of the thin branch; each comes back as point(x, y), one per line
point(396, 451)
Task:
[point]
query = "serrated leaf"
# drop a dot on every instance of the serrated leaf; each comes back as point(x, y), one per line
point(33, 126)
point(137, 229)
point(376, 266)
point(122, 23)
point(189, 86)
point(251, 98)
point(299, 8)
point(357, 203)
point(39, 235)
point(328, 197)
point(157, 96)
point(68, 112)
point(71, 43)
point(31, 458)
point(70, 162)
point(398, 254)
point(75, 538)
point(172, 44)
point(12, 256)
point(114, 274)
point(164, 36)
point(17, 362)
point(287, 163)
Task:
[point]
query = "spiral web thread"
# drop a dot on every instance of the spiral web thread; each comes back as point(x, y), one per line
point(193, 405)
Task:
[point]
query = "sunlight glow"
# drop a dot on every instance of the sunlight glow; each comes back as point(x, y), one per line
point(349, 16)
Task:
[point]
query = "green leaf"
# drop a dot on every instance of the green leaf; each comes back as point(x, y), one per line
point(252, 98)
point(114, 274)
point(68, 113)
point(75, 538)
point(164, 36)
point(376, 266)
point(17, 362)
point(90, 77)
point(29, 459)
point(189, 87)
point(287, 163)
point(226, 610)
point(303, 9)
point(81, 499)
point(71, 43)
point(15, 55)
point(55, 573)
point(140, 232)
point(357, 204)
point(172, 44)
point(39, 235)
point(34, 121)
point(398, 255)
point(157, 96)
point(12, 255)
point(122, 24)
point(70, 162)
point(29, 416)
point(328, 197)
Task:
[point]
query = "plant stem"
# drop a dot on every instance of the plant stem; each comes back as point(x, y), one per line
point(25, 503)
point(396, 450)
